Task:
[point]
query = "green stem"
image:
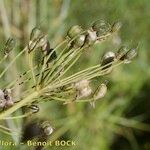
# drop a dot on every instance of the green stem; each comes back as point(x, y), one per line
point(18, 105)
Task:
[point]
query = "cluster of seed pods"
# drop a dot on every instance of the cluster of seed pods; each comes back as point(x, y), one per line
point(123, 54)
point(99, 31)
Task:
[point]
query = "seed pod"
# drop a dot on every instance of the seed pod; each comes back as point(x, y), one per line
point(84, 92)
point(8, 97)
point(48, 129)
point(107, 59)
point(83, 89)
point(91, 37)
point(99, 93)
point(101, 27)
point(76, 31)
point(34, 108)
point(37, 39)
point(9, 45)
point(126, 55)
point(81, 84)
point(116, 26)
point(35, 34)
point(121, 53)
point(131, 54)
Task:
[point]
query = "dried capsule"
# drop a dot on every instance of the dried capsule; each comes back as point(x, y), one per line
point(99, 93)
point(34, 108)
point(121, 53)
point(125, 54)
point(83, 89)
point(9, 45)
point(107, 60)
point(91, 37)
point(35, 34)
point(37, 39)
point(8, 97)
point(101, 27)
point(76, 32)
point(116, 26)
point(82, 84)
point(131, 54)
point(48, 51)
point(48, 129)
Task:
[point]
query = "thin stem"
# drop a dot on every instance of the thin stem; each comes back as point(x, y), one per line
point(11, 63)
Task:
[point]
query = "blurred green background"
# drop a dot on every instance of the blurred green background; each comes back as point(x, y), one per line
point(118, 121)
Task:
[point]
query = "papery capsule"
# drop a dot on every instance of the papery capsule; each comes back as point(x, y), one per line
point(131, 54)
point(101, 27)
point(116, 26)
point(48, 129)
point(100, 91)
point(121, 53)
point(34, 108)
point(107, 59)
point(82, 84)
point(37, 39)
point(8, 97)
point(76, 32)
point(83, 89)
point(84, 92)
point(126, 55)
point(9, 45)
point(48, 50)
point(35, 34)
point(91, 37)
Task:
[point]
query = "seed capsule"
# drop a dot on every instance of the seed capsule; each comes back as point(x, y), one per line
point(76, 31)
point(9, 45)
point(34, 108)
point(126, 55)
point(99, 93)
point(101, 27)
point(106, 60)
point(47, 50)
point(48, 129)
point(83, 89)
point(35, 34)
point(91, 37)
point(131, 54)
point(8, 97)
point(116, 26)
point(37, 39)
point(121, 53)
